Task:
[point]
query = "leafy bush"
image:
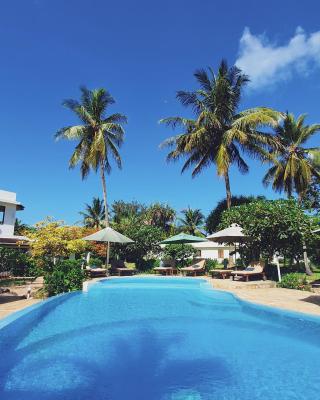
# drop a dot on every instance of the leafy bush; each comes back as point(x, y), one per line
point(65, 276)
point(211, 264)
point(17, 262)
point(97, 262)
point(180, 253)
point(294, 281)
point(146, 242)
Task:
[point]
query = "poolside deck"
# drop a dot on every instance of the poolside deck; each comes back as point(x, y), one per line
point(266, 293)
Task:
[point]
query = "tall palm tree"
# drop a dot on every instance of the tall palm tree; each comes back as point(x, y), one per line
point(192, 221)
point(99, 135)
point(94, 214)
point(219, 133)
point(294, 165)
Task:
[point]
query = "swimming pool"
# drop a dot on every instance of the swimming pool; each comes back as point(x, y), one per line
point(158, 338)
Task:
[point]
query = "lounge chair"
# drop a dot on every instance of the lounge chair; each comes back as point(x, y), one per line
point(167, 267)
point(256, 268)
point(194, 269)
point(95, 272)
point(120, 268)
point(224, 273)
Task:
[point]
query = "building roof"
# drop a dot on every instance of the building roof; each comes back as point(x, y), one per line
point(10, 198)
point(13, 241)
point(210, 245)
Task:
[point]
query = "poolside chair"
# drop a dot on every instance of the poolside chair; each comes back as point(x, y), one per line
point(120, 268)
point(224, 273)
point(256, 268)
point(95, 272)
point(197, 268)
point(167, 267)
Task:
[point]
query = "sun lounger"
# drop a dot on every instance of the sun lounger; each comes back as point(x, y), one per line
point(96, 272)
point(167, 267)
point(119, 268)
point(255, 269)
point(224, 273)
point(194, 269)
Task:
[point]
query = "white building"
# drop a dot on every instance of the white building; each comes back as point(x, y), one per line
point(213, 250)
point(8, 208)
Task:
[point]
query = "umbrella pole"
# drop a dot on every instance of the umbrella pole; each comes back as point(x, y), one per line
point(108, 254)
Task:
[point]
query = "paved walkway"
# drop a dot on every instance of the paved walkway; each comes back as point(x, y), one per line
point(10, 304)
point(288, 299)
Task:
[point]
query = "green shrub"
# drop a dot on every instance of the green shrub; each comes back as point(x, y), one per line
point(181, 253)
point(65, 276)
point(294, 281)
point(211, 264)
point(97, 262)
point(17, 262)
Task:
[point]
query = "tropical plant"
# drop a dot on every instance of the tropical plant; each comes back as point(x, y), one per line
point(94, 214)
point(65, 276)
point(160, 215)
point(17, 262)
point(294, 281)
point(146, 241)
point(294, 165)
point(192, 221)
point(124, 210)
point(181, 253)
point(219, 133)
point(53, 240)
point(214, 218)
point(274, 227)
point(98, 137)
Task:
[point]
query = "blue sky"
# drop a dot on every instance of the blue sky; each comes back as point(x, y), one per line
point(142, 52)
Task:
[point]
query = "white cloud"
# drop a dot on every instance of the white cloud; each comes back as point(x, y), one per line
point(267, 63)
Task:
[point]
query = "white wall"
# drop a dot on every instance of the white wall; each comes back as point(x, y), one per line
point(7, 228)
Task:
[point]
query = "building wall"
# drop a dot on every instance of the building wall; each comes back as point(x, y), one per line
point(7, 228)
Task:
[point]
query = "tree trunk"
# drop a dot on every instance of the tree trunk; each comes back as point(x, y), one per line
point(228, 190)
point(104, 187)
point(305, 255)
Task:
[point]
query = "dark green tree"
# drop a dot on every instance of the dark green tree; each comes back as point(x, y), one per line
point(214, 218)
point(94, 214)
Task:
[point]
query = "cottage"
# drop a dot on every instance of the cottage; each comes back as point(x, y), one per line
point(8, 208)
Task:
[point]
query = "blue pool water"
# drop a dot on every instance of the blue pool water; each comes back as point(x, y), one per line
point(158, 338)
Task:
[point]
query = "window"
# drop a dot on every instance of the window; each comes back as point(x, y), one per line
point(2, 211)
point(220, 253)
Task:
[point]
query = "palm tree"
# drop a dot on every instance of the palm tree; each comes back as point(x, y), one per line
point(94, 214)
point(99, 135)
point(219, 133)
point(294, 166)
point(192, 221)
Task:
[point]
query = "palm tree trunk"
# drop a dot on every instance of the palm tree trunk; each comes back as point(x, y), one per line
point(304, 246)
point(104, 187)
point(228, 190)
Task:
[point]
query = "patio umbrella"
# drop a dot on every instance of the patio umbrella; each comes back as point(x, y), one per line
point(232, 234)
point(183, 238)
point(108, 235)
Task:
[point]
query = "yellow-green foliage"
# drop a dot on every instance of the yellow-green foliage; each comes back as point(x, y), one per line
point(54, 239)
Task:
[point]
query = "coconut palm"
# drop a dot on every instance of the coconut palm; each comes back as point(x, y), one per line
point(192, 221)
point(294, 166)
point(94, 214)
point(219, 134)
point(99, 136)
